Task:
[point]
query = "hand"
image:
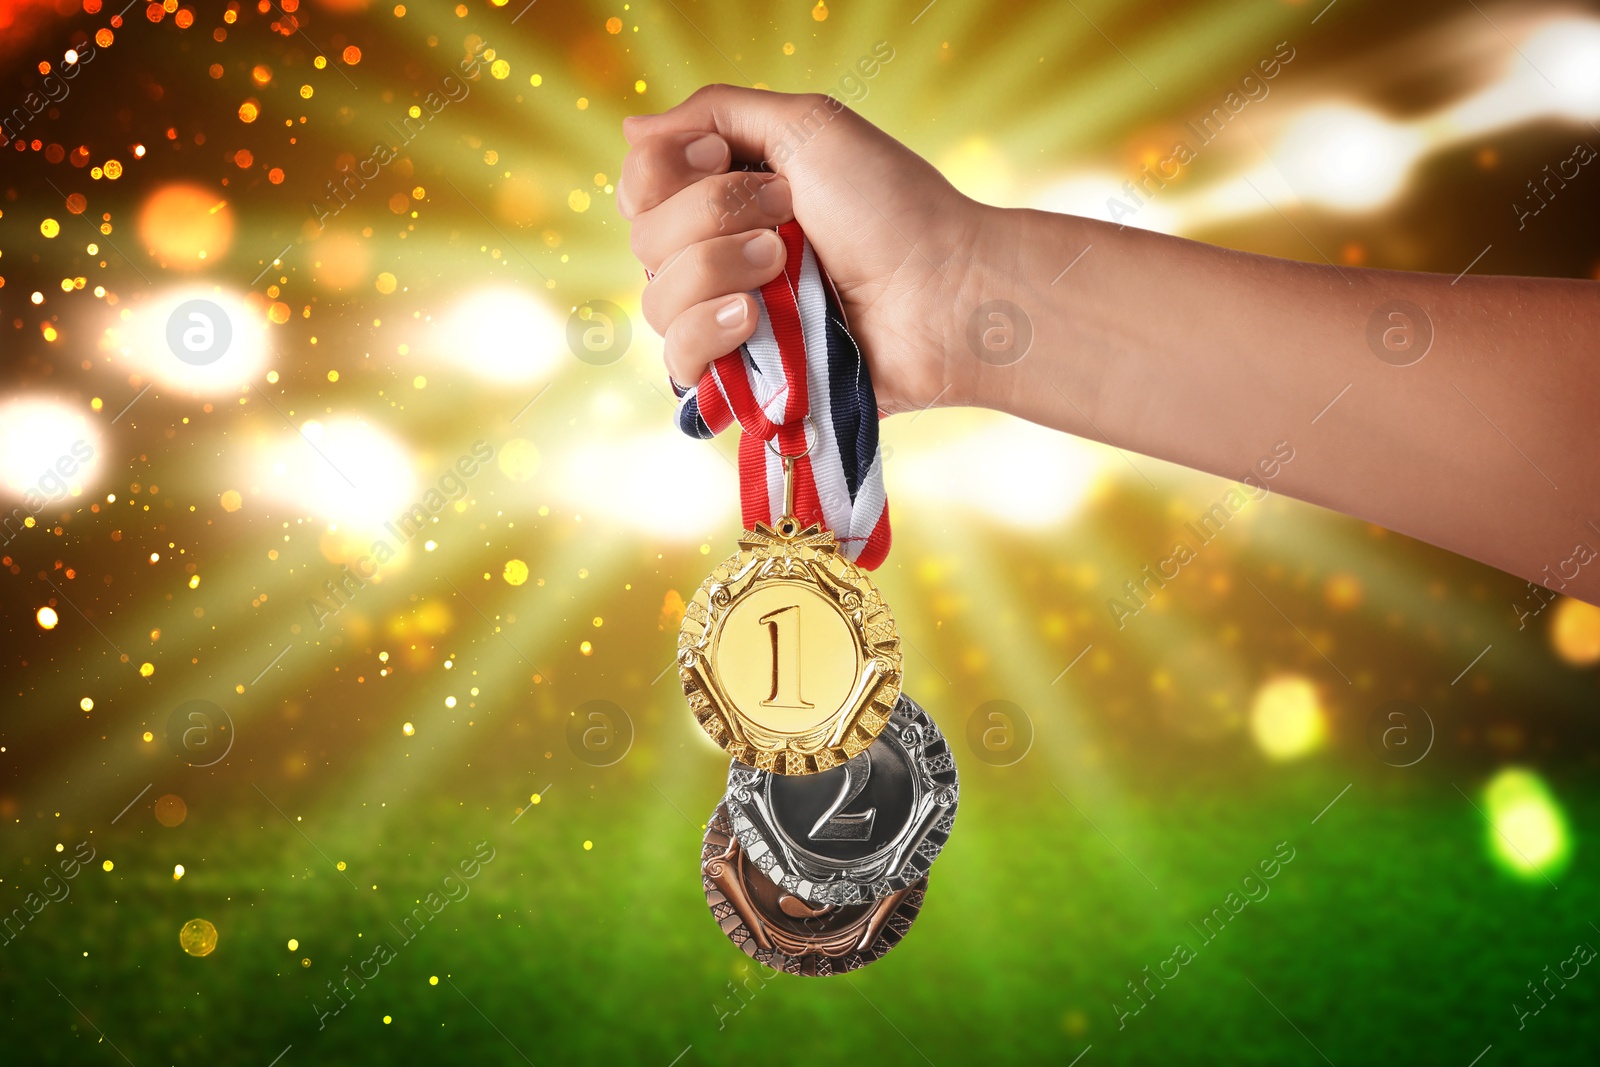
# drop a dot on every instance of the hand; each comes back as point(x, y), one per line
point(899, 241)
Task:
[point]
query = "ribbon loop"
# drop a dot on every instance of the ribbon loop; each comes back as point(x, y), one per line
point(800, 361)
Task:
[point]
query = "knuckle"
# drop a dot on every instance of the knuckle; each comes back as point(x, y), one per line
point(625, 189)
point(678, 356)
point(642, 176)
point(811, 103)
point(639, 244)
point(718, 208)
point(650, 306)
point(711, 92)
point(694, 264)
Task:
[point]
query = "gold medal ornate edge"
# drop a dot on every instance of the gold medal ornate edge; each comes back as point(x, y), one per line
point(788, 553)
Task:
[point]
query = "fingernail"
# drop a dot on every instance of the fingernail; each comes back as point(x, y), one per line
point(761, 250)
point(732, 313)
point(705, 153)
point(773, 198)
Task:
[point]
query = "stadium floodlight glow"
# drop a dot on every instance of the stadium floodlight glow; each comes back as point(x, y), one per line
point(1563, 64)
point(1110, 199)
point(342, 471)
point(503, 335)
point(48, 449)
point(662, 483)
point(977, 469)
point(1346, 157)
point(200, 340)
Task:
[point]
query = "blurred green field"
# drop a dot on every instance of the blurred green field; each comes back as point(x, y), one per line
point(1390, 937)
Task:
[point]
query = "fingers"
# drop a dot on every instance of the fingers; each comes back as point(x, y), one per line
point(752, 121)
point(661, 165)
point(717, 206)
point(695, 218)
point(733, 264)
point(706, 332)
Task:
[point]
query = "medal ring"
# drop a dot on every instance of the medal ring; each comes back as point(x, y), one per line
point(811, 441)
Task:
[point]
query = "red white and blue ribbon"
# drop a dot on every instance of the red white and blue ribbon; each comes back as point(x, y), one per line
point(800, 361)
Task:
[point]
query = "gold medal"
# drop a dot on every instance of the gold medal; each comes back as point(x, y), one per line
point(788, 654)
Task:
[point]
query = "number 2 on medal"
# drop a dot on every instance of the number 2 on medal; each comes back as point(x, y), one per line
point(785, 659)
point(856, 826)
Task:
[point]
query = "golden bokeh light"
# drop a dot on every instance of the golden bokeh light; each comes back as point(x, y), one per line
point(198, 937)
point(170, 810)
point(342, 261)
point(1575, 632)
point(186, 226)
point(1286, 718)
point(519, 459)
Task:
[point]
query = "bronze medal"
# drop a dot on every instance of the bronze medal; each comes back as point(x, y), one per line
point(783, 932)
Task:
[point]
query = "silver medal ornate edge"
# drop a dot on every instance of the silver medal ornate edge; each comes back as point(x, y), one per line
point(897, 866)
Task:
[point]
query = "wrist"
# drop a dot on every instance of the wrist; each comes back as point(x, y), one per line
point(1010, 332)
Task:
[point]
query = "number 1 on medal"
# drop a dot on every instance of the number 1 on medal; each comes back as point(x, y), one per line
point(790, 692)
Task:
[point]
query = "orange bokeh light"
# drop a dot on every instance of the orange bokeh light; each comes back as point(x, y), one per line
point(186, 226)
point(342, 261)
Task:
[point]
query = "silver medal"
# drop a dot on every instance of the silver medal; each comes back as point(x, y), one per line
point(858, 832)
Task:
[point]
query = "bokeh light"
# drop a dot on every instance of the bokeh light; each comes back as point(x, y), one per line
point(502, 335)
point(1575, 632)
point(170, 810)
point(229, 333)
point(185, 226)
point(1528, 832)
point(345, 471)
point(977, 471)
point(1346, 156)
point(1286, 718)
point(1564, 56)
point(198, 937)
point(48, 451)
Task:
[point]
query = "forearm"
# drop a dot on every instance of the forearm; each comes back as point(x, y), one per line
point(1211, 358)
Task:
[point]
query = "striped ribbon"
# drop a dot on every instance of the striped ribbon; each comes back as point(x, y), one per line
point(801, 353)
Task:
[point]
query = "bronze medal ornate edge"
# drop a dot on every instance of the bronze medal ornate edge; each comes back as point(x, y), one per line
point(836, 939)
